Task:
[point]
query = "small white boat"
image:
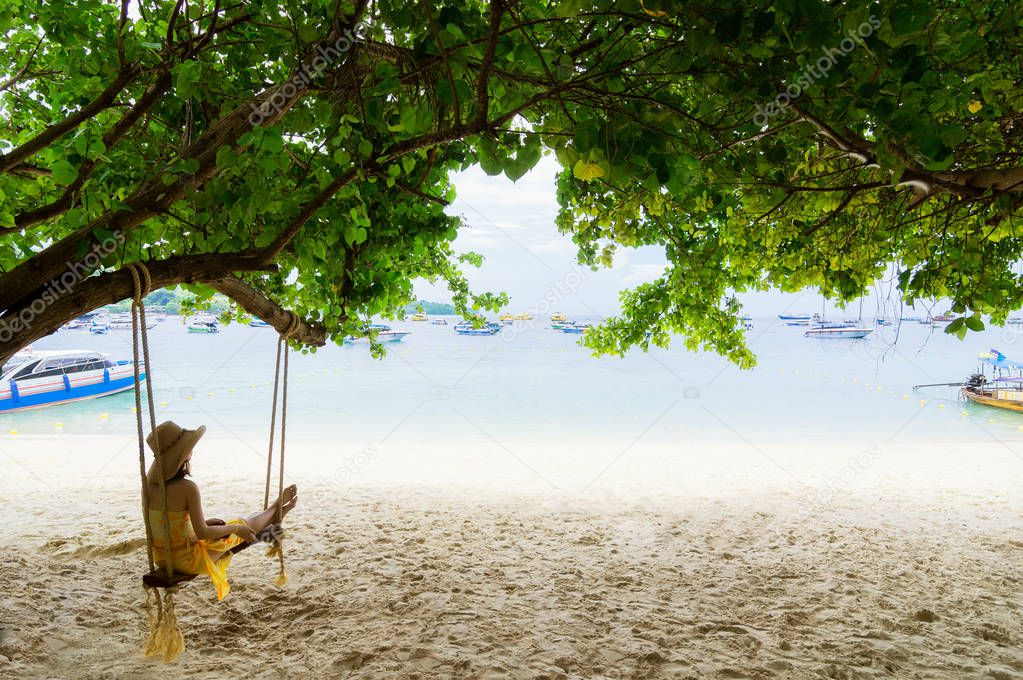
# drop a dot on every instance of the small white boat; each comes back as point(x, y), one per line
point(844, 333)
point(386, 334)
point(203, 324)
point(38, 379)
point(438, 322)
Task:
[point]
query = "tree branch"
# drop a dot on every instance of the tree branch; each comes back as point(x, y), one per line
point(69, 198)
point(66, 301)
point(482, 84)
point(13, 80)
point(10, 161)
point(258, 304)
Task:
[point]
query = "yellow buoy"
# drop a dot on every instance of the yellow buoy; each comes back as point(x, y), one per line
point(13, 432)
point(163, 403)
point(923, 402)
point(211, 394)
point(941, 406)
point(104, 416)
point(905, 396)
point(58, 425)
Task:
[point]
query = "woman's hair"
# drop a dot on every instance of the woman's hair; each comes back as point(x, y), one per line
point(183, 471)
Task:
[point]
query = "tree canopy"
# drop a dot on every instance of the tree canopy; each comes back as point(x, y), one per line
point(298, 155)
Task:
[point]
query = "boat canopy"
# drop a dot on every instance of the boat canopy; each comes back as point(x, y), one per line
point(998, 360)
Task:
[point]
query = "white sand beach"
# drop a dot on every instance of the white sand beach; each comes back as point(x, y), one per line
point(519, 561)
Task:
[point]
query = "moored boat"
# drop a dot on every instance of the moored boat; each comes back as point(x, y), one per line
point(576, 328)
point(842, 332)
point(794, 317)
point(558, 316)
point(41, 379)
point(419, 316)
point(1003, 390)
point(379, 332)
point(466, 328)
point(438, 322)
point(203, 326)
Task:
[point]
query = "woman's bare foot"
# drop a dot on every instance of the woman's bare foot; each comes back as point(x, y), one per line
point(290, 498)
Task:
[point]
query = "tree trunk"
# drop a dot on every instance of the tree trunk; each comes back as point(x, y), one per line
point(60, 303)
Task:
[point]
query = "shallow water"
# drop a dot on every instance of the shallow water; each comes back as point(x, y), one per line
point(531, 383)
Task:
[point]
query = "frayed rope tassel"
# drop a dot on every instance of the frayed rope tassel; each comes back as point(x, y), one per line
point(165, 638)
point(278, 549)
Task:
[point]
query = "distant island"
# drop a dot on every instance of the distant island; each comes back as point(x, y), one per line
point(427, 307)
point(173, 301)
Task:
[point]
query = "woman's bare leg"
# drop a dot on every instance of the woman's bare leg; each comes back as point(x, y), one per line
point(261, 520)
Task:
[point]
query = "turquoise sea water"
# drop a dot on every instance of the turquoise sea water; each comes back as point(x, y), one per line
point(531, 383)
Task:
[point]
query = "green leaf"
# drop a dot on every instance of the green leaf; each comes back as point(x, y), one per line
point(63, 172)
point(587, 171)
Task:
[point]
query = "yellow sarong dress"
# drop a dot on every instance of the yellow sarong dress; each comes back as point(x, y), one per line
point(190, 554)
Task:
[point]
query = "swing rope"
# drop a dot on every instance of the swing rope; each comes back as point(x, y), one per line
point(281, 385)
point(165, 638)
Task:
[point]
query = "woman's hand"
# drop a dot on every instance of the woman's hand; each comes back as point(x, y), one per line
point(215, 522)
point(245, 531)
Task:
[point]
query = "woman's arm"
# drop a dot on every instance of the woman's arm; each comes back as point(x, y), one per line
point(202, 530)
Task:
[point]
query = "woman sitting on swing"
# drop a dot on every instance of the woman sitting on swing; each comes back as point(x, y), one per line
point(199, 545)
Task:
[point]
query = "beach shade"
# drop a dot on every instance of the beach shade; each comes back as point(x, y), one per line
point(998, 360)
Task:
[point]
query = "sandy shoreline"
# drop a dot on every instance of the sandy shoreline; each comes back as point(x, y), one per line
point(720, 574)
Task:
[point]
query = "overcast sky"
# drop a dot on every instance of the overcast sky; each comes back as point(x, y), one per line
point(512, 225)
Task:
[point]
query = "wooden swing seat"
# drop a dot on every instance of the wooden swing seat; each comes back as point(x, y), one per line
point(158, 578)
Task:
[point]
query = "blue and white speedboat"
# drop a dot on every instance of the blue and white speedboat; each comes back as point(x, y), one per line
point(39, 379)
point(466, 328)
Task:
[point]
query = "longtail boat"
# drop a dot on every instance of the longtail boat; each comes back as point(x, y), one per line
point(1004, 389)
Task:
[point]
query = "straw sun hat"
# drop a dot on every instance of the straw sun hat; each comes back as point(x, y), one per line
point(175, 444)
